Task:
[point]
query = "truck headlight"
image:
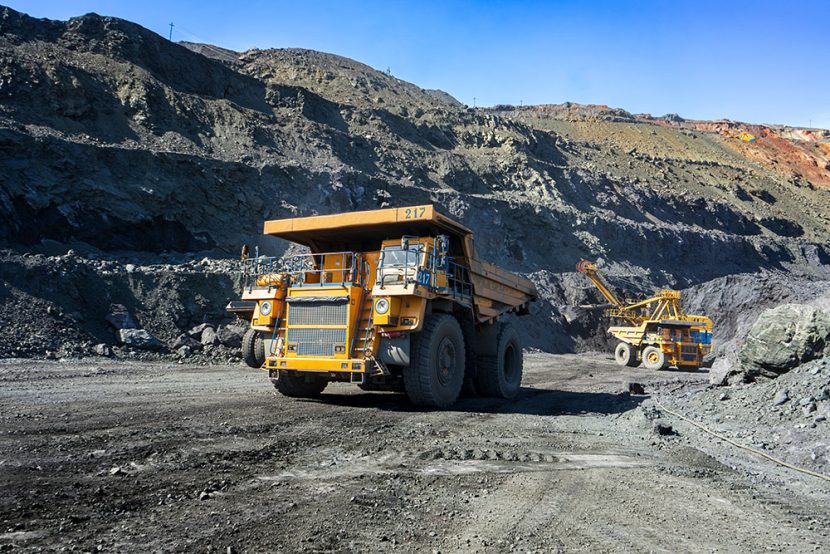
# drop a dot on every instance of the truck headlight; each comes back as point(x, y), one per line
point(265, 308)
point(381, 306)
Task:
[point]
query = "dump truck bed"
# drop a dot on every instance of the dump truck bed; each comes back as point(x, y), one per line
point(495, 290)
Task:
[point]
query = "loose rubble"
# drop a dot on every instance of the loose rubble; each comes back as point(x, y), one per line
point(107, 313)
point(785, 416)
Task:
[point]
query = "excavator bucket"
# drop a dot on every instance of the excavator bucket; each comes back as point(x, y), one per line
point(573, 313)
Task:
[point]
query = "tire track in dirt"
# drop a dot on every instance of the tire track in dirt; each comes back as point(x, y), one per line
point(434, 463)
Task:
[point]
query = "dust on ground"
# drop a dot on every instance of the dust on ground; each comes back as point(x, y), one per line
point(137, 456)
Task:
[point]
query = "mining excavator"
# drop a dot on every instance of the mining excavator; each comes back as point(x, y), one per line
point(656, 331)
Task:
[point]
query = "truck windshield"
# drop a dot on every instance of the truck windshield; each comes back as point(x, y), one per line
point(395, 256)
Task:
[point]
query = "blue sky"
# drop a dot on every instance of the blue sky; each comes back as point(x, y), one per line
point(757, 61)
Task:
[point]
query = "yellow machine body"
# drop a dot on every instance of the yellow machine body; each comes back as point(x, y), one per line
point(658, 321)
point(368, 277)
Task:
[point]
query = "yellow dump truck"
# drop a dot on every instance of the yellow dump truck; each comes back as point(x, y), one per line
point(389, 299)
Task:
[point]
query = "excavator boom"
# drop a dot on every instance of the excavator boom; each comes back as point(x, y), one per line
point(590, 270)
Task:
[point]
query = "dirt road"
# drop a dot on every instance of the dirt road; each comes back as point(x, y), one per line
point(122, 456)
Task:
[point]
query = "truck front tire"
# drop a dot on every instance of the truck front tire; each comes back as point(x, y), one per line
point(500, 376)
point(299, 386)
point(436, 371)
point(253, 349)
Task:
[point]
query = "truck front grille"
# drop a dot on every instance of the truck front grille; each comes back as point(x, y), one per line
point(306, 316)
point(316, 342)
point(318, 313)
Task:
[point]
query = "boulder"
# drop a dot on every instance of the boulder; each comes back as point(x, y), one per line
point(663, 428)
point(102, 349)
point(722, 369)
point(139, 338)
point(231, 335)
point(185, 340)
point(635, 388)
point(197, 331)
point(184, 351)
point(781, 397)
point(209, 337)
point(784, 337)
point(120, 318)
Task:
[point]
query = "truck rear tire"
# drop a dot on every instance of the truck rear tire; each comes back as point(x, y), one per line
point(500, 376)
point(436, 372)
point(653, 358)
point(625, 355)
point(253, 349)
point(299, 386)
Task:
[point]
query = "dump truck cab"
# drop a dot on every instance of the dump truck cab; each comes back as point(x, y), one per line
point(391, 299)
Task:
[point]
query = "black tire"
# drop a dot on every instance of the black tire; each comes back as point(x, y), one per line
point(299, 386)
point(436, 371)
point(500, 376)
point(468, 328)
point(653, 358)
point(626, 355)
point(253, 349)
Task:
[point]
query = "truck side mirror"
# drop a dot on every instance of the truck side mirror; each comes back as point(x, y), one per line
point(443, 244)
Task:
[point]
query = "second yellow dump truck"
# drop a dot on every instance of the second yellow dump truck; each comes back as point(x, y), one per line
point(390, 299)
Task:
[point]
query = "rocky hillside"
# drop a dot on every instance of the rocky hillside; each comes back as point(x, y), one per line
point(122, 145)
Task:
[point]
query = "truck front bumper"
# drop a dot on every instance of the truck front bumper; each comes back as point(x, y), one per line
point(318, 365)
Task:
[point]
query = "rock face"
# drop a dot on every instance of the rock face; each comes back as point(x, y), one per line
point(784, 337)
point(115, 140)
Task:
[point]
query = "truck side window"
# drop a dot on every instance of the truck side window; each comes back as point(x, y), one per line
point(398, 265)
point(395, 256)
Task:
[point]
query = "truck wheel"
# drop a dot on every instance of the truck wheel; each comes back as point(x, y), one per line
point(299, 386)
point(253, 349)
point(653, 358)
point(500, 376)
point(625, 355)
point(468, 328)
point(436, 373)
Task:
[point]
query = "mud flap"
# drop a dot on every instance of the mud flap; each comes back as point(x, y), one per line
point(395, 351)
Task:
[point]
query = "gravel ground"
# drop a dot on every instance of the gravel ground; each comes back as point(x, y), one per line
point(136, 456)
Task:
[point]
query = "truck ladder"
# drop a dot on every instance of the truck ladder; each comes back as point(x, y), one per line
point(363, 336)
